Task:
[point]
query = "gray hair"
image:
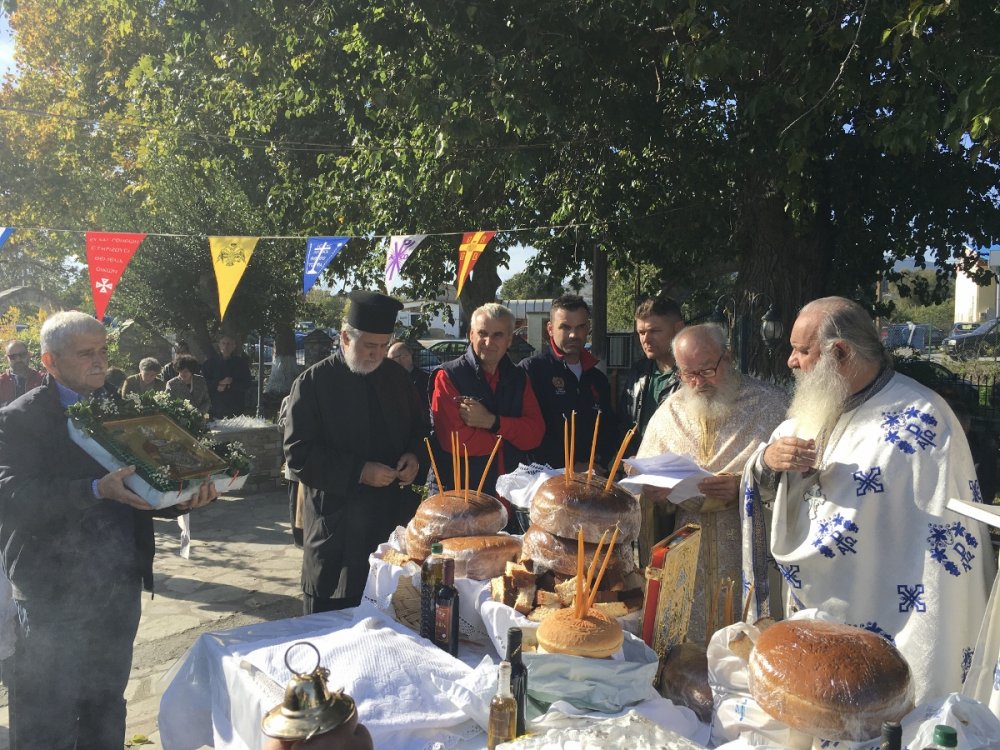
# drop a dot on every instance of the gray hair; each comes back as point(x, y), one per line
point(495, 311)
point(353, 334)
point(845, 320)
point(59, 330)
point(710, 331)
point(150, 363)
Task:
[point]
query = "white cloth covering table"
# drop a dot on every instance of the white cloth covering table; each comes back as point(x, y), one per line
point(229, 679)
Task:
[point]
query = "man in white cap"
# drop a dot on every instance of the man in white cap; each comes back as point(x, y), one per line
point(353, 440)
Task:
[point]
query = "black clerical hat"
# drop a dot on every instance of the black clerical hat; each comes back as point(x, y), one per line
point(372, 312)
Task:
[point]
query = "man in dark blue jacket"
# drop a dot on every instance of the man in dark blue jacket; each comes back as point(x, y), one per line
point(565, 379)
point(77, 547)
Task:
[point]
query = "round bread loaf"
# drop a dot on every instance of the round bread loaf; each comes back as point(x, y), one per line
point(833, 681)
point(486, 556)
point(559, 555)
point(560, 507)
point(595, 635)
point(448, 515)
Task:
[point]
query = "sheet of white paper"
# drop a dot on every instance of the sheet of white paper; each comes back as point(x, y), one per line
point(679, 474)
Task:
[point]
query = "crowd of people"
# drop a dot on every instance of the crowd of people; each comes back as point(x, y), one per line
point(831, 496)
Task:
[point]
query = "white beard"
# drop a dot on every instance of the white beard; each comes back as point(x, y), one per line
point(818, 399)
point(710, 406)
point(355, 365)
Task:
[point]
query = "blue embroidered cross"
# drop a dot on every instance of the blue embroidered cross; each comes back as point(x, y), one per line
point(741, 709)
point(748, 497)
point(791, 574)
point(911, 597)
point(977, 493)
point(868, 481)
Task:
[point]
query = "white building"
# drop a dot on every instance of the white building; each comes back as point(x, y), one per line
point(974, 303)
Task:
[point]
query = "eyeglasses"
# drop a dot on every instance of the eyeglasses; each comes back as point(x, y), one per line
point(688, 375)
point(18, 355)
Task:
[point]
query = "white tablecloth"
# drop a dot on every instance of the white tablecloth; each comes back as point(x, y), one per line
point(229, 679)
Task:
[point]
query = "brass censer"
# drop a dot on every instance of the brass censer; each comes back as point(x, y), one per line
point(309, 708)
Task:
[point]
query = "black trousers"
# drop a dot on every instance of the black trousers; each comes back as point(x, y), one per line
point(312, 605)
point(71, 671)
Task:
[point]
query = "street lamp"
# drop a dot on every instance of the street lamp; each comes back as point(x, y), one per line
point(733, 315)
point(771, 328)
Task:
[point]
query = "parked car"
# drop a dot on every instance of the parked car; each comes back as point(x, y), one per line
point(449, 349)
point(982, 340)
point(960, 328)
point(940, 379)
point(446, 349)
point(423, 358)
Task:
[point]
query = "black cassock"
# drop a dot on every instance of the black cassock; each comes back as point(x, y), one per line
point(337, 421)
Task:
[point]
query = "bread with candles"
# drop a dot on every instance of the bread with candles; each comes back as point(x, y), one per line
point(829, 680)
point(550, 552)
point(485, 556)
point(561, 506)
point(593, 634)
point(453, 514)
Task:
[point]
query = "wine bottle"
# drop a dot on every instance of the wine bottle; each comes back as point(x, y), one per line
point(446, 610)
point(503, 711)
point(892, 736)
point(518, 675)
point(431, 573)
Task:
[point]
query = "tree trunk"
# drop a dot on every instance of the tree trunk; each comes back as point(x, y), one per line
point(284, 368)
point(781, 265)
point(480, 288)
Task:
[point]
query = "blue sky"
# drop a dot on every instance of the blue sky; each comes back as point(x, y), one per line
point(6, 46)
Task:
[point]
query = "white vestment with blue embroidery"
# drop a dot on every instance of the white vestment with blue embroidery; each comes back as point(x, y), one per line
point(868, 539)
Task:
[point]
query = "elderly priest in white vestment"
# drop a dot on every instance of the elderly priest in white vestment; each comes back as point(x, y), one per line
point(848, 498)
point(717, 418)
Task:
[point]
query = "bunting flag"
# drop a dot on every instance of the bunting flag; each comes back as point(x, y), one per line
point(5, 233)
point(319, 252)
point(108, 254)
point(230, 256)
point(401, 246)
point(473, 244)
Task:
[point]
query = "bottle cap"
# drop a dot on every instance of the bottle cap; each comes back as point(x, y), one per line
point(437, 548)
point(945, 736)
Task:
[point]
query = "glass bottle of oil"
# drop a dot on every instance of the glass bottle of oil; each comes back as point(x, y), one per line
point(503, 711)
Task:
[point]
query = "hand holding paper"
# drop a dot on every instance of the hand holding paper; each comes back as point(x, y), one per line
point(677, 473)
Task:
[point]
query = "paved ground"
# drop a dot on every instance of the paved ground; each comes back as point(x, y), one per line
point(243, 569)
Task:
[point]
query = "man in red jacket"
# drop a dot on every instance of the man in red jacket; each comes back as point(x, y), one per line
point(481, 395)
point(20, 378)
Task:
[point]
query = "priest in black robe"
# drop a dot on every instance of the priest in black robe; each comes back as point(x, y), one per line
point(353, 440)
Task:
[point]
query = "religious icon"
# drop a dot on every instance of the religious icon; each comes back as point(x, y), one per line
point(160, 443)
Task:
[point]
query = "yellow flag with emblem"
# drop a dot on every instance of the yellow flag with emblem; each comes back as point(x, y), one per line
point(473, 244)
point(230, 256)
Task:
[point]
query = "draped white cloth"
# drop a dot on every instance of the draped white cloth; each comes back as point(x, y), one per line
point(867, 537)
